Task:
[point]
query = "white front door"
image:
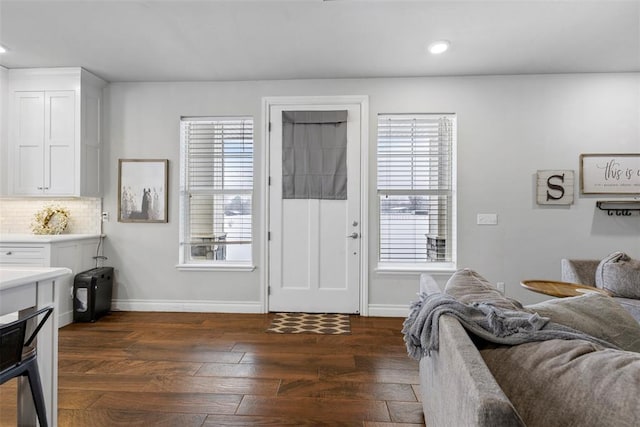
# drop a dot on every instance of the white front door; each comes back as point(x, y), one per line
point(314, 244)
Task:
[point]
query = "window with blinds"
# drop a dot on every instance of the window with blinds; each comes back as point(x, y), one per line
point(415, 188)
point(216, 190)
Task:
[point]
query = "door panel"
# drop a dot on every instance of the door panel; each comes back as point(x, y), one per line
point(59, 166)
point(28, 172)
point(298, 235)
point(61, 117)
point(313, 265)
point(61, 173)
point(333, 258)
point(29, 146)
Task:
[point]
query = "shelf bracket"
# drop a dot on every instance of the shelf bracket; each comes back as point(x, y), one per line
point(619, 207)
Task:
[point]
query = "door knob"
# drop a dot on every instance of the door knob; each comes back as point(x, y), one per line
point(354, 235)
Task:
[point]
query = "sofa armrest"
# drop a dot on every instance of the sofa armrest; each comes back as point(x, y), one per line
point(457, 387)
point(581, 271)
point(428, 285)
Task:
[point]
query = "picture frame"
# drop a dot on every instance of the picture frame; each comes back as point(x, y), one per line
point(554, 187)
point(610, 173)
point(142, 190)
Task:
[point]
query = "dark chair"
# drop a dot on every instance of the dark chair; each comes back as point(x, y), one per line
point(18, 358)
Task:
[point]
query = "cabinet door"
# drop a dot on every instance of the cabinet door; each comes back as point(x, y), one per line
point(28, 143)
point(59, 143)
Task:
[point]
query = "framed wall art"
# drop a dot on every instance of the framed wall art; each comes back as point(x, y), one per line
point(142, 190)
point(610, 173)
point(554, 187)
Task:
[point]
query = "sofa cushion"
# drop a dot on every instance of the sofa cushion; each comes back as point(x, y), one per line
point(594, 314)
point(568, 383)
point(620, 275)
point(632, 305)
point(467, 286)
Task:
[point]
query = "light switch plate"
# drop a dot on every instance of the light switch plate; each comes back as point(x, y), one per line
point(487, 219)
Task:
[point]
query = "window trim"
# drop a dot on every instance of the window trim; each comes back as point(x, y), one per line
point(216, 267)
point(386, 267)
point(213, 265)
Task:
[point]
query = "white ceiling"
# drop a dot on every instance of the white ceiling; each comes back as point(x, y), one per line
point(184, 40)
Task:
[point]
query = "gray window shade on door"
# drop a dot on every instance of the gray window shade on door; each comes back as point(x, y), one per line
point(314, 155)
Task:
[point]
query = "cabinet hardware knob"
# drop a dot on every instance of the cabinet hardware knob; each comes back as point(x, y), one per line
point(40, 188)
point(9, 253)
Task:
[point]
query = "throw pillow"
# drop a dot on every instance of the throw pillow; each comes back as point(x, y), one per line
point(467, 286)
point(620, 275)
point(597, 315)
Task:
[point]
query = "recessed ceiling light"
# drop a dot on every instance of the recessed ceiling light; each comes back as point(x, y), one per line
point(2, 49)
point(441, 46)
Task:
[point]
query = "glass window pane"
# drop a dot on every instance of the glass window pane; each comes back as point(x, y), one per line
point(217, 183)
point(414, 187)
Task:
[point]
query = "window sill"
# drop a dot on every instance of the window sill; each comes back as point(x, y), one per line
point(415, 268)
point(215, 267)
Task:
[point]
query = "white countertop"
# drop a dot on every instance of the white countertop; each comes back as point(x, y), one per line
point(43, 238)
point(13, 276)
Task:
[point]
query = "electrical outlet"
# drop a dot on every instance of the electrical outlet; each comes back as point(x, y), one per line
point(105, 216)
point(500, 286)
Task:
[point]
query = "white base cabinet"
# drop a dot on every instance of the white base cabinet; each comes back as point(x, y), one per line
point(55, 132)
point(73, 253)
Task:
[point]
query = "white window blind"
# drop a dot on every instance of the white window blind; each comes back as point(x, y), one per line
point(216, 189)
point(415, 187)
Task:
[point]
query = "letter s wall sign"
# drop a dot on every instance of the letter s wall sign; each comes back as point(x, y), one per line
point(555, 187)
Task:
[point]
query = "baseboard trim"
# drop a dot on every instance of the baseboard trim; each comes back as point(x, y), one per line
point(187, 306)
point(65, 319)
point(388, 310)
point(375, 310)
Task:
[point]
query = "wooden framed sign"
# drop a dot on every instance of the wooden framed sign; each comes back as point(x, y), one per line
point(554, 187)
point(610, 173)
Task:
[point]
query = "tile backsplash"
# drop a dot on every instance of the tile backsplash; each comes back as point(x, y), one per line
point(16, 214)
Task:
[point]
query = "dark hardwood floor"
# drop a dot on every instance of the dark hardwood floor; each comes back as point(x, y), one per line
point(201, 369)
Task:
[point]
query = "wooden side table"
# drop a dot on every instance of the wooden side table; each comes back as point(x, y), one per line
point(561, 289)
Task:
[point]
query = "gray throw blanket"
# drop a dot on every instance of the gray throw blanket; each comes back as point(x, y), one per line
point(486, 321)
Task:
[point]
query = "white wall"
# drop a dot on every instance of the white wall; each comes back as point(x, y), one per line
point(508, 128)
point(4, 128)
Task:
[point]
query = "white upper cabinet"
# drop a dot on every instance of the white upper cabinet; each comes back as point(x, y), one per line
point(44, 143)
point(54, 132)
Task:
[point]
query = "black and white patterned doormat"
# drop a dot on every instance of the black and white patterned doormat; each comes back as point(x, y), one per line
point(310, 323)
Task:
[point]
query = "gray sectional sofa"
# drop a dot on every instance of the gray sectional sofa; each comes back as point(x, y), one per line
point(458, 388)
point(585, 271)
point(468, 382)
